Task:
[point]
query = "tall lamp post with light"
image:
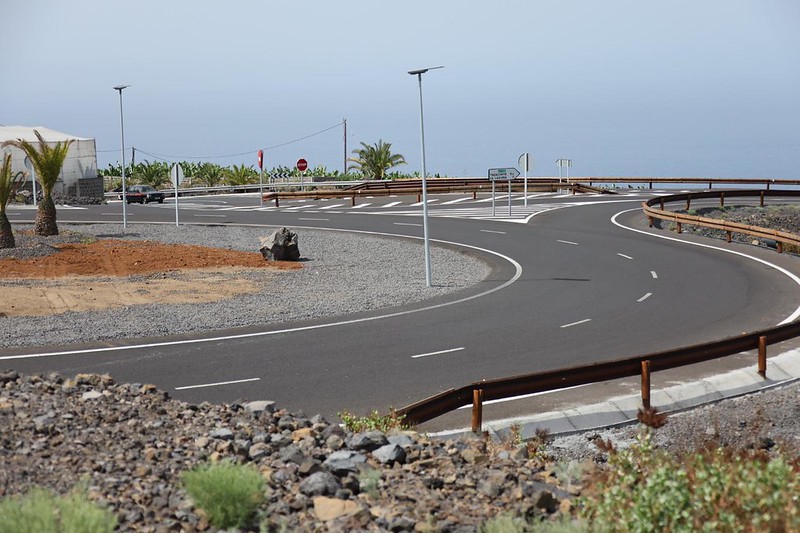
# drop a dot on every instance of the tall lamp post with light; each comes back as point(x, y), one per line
point(119, 88)
point(418, 73)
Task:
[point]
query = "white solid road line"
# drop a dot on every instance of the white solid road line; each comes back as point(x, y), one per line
point(322, 219)
point(517, 275)
point(584, 321)
point(406, 224)
point(567, 242)
point(645, 297)
point(217, 384)
point(653, 273)
point(215, 216)
point(492, 231)
point(625, 256)
point(437, 353)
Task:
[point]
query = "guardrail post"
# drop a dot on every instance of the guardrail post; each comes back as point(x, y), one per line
point(651, 184)
point(277, 204)
point(650, 221)
point(780, 247)
point(762, 356)
point(475, 194)
point(662, 204)
point(680, 228)
point(688, 203)
point(722, 199)
point(419, 197)
point(477, 410)
point(762, 198)
point(354, 200)
point(729, 235)
point(646, 384)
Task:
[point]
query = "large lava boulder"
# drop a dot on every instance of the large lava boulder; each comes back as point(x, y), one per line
point(281, 245)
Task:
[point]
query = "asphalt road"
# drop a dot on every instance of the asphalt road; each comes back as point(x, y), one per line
point(570, 286)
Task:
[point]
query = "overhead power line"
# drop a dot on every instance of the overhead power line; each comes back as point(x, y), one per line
point(175, 157)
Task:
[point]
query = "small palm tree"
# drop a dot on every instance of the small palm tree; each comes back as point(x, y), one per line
point(209, 174)
point(9, 183)
point(155, 174)
point(240, 175)
point(374, 161)
point(47, 162)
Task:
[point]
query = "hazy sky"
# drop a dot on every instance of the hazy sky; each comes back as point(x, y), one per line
point(622, 87)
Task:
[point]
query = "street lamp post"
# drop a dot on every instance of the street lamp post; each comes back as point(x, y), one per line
point(418, 73)
point(119, 88)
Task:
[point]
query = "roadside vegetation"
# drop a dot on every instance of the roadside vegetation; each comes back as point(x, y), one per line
point(47, 160)
point(41, 511)
point(9, 183)
point(228, 493)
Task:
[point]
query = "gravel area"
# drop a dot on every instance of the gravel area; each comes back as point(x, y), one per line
point(342, 273)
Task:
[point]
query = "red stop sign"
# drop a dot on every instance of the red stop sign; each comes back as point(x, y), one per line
point(302, 165)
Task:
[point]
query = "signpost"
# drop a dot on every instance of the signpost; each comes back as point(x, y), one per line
point(563, 163)
point(302, 165)
point(526, 162)
point(176, 176)
point(29, 166)
point(502, 174)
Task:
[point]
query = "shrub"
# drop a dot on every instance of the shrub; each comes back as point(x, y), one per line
point(372, 422)
point(710, 490)
point(230, 494)
point(41, 511)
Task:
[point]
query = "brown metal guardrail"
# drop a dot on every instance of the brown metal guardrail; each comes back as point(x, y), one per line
point(781, 237)
point(478, 392)
point(766, 182)
point(414, 187)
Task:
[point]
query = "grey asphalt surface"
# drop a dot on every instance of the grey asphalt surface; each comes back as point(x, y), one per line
point(581, 298)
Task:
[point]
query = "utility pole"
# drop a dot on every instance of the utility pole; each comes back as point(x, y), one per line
point(345, 145)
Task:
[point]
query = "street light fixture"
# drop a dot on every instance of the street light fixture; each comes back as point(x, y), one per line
point(418, 73)
point(119, 88)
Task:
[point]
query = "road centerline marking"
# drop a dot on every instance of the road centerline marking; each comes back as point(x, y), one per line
point(215, 216)
point(653, 273)
point(624, 256)
point(645, 297)
point(322, 219)
point(567, 242)
point(217, 384)
point(584, 321)
point(440, 352)
point(406, 224)
point(493, 231)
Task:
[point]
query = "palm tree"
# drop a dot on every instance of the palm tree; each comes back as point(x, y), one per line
point(373, 161)
point(209, 174)
point(8, 188)
point(47, 162)
point(155, 174)
point(239, 174)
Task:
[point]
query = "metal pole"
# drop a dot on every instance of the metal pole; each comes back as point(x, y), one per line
point(526, 178)
point(493, 182)
point(119, 88)
point(426, 239)
point(509, 198)
point(344, 169)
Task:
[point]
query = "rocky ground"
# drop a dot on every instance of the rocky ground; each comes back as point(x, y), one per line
point(129, 443)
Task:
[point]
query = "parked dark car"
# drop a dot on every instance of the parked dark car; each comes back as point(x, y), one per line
point(144, 194)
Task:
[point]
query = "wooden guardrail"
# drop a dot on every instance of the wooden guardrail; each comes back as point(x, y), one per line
point(781, 237)
point(643, 365)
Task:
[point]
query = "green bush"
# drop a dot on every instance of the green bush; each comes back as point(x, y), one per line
point(230, 494)
point(711, 490)
point(372, 422)
point(41, 511)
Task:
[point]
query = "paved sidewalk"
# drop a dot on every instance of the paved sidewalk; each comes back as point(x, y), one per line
point(621, 410)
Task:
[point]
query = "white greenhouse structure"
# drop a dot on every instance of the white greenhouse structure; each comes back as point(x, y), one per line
point(79, 174)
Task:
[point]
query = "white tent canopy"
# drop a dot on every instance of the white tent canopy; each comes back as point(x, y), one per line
point(79, 174)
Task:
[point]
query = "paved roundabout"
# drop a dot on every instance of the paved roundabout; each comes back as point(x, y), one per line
point(574, 280)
